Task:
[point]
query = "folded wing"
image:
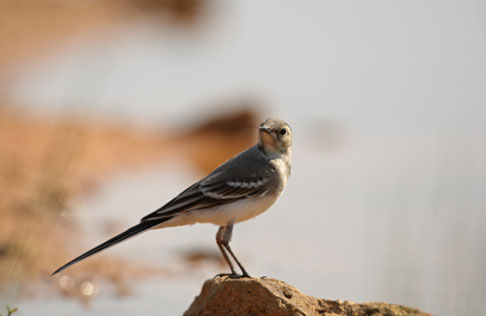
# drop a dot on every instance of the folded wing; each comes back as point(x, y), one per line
point(212, 191)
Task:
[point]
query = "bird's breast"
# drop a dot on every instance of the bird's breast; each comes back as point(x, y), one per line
point(282, 168)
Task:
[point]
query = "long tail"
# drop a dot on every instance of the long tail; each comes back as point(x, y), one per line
point(132, 231)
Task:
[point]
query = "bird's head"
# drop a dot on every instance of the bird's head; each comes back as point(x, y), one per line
point(275, 136)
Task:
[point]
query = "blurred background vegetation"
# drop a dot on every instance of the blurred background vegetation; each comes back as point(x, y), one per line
point(109, 108)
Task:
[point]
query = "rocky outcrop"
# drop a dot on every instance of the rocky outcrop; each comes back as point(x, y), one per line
point(258, 297)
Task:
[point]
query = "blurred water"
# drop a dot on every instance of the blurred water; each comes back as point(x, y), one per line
point(390, 207)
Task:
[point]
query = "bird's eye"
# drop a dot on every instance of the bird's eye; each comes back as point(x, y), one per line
point(283, 131)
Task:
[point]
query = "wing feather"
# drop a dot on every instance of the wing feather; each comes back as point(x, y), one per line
point(206, 194)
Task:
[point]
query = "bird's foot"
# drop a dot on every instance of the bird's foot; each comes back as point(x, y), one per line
point(232, 275)
point(221, 275)
point(239, 276)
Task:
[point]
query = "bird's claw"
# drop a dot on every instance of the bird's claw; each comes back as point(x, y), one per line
point(239, 276)
point(232, 275)
point(220, 275)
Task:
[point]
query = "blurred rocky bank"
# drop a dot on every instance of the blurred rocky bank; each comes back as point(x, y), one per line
point(265, 297)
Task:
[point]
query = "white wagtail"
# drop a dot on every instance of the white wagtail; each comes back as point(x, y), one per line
point(241, 188)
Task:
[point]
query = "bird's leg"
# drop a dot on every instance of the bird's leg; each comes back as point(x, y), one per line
point(219, 241)
point(226, 239)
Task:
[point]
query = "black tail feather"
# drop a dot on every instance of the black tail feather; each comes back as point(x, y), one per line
point(132, 231)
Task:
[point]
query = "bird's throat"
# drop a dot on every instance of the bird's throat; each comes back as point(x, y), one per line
point(267, 143)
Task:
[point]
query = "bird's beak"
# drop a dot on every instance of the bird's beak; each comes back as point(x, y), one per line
point(265, 129)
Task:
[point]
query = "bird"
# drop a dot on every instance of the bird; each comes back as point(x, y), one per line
point(241, 188)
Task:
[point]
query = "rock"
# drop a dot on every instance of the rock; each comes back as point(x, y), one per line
point(258, 297)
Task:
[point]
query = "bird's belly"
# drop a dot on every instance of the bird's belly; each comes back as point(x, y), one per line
point(222, 215)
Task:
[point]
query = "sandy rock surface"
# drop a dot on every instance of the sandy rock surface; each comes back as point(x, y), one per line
point(228, 297)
